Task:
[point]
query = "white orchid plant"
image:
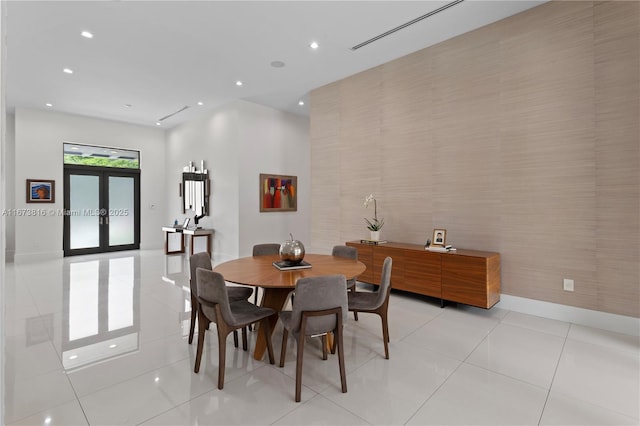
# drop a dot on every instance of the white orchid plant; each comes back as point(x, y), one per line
point(374, 224)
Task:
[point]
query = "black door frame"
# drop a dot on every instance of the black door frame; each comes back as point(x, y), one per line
point(103, 173)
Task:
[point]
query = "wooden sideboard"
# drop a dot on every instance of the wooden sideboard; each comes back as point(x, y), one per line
point(466, 276)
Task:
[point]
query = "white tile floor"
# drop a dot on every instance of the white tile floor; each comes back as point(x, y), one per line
point(101, 340)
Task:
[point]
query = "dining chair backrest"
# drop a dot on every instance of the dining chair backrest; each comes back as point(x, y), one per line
point(266, 249)
point(212, 288)
point(198, 260)
point(215, 307)
point(385, 283)
point(347, 252)
point(378, 303)
point(315, 294)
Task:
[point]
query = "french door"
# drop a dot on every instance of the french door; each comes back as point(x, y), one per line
point(102, 210)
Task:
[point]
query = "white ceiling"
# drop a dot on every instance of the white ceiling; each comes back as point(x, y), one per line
point(160, 56)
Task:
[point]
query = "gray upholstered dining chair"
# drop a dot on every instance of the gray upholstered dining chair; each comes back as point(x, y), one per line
point(320, 307)
point(376, 302)
point(264, 250)
point(348, 253)
point(215, 306)
point(202, 260)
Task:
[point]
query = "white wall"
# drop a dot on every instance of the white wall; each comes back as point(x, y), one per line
point(39, 136)
point(9, 185)
point(238, 142)
point(274, 143)
point(212, 138)
point(3, 204)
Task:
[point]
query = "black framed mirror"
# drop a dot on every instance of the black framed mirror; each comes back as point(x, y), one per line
point(195, 193)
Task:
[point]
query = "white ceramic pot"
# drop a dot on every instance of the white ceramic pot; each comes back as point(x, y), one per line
point(375, 235)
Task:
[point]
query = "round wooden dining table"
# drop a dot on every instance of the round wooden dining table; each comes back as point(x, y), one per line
point(259, 271)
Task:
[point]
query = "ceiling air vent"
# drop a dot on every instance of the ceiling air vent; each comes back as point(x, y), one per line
point(406, 24)
point(173, 113)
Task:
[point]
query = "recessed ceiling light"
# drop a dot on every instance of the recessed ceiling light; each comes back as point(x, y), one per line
point(238, 83)
point(277, 64)
point(128, 105)
point(47, 421)
point(86, 34)
point(301, 103)
point(157, 379)
point(158, 123)
point(48, 104)
point(67, 71)
point(200, 103)
point(112, 346)
point(314, 45)
point(73, 357)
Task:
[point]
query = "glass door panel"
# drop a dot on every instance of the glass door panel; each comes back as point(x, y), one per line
point(84, 208)
point(121, 209)
point(101, 210)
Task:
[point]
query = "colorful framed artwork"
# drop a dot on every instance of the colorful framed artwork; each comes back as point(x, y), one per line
point(278, 193)
point(41, 191)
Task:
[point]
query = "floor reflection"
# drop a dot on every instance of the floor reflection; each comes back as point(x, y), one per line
point(133, 364)
point(176, 272)
point(101, 309)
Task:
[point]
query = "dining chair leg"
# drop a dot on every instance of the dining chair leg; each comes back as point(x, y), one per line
point(244, 339)
point(222, 353)
point(340, 344)
point(299, 357)
point(235, 338)
point(202, 327)
point(333, 346)
point(385, 335)
point(324, 346)
point(267, 334)
point(283, 350)
point(385, 326)
point(355, 314)
point(255, 302)
point(194, 314)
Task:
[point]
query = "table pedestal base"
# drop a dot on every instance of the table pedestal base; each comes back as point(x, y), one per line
point(274, 298)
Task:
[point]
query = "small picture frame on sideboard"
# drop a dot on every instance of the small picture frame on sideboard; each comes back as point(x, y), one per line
point(439, 237)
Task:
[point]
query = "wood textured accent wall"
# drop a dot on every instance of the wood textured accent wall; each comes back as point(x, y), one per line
point(520, 137)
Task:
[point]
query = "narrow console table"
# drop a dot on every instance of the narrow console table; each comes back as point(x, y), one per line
point(193, 232)
point(466, 276)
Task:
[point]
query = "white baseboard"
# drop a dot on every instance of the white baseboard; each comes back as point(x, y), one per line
point(587, 317)
point(155, 246)
point(22, 258)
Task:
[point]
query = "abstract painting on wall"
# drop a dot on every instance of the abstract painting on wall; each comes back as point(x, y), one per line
point(278, 193)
